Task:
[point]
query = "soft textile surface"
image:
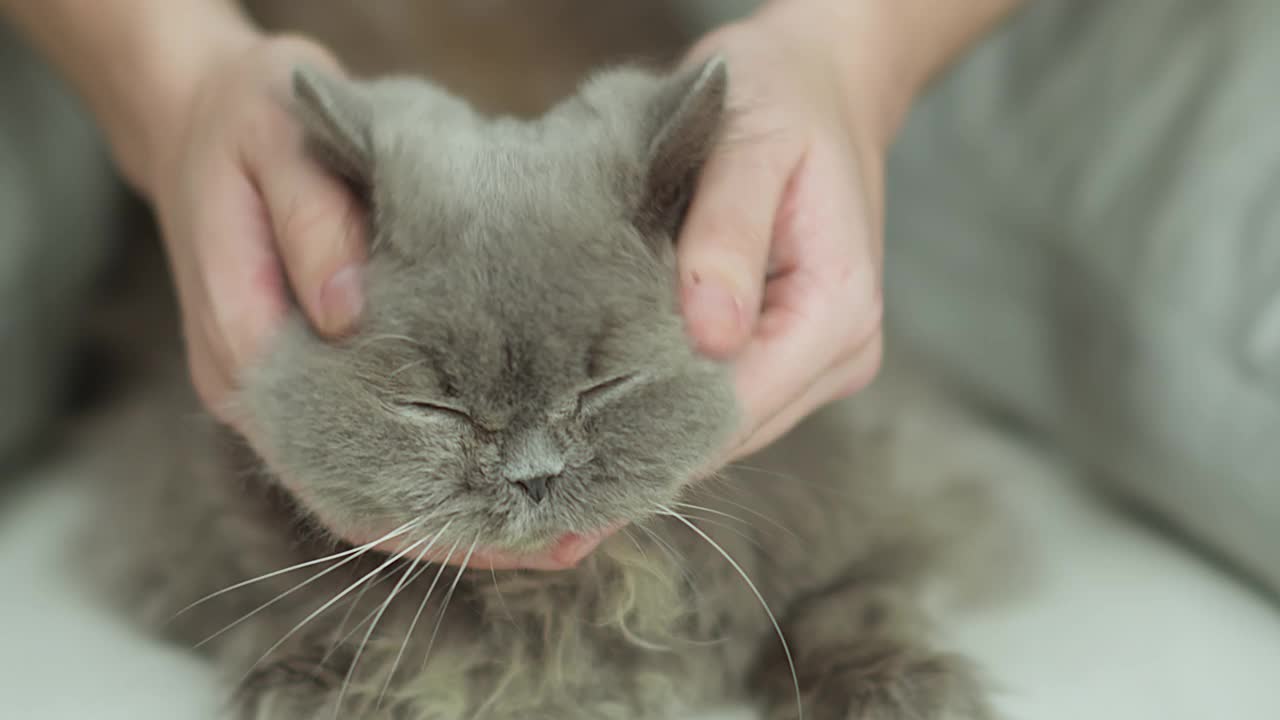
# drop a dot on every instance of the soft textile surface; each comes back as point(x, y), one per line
point(1119, 625)
point(1084, 224)
point(56, 207)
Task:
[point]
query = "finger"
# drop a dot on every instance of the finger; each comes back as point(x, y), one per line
point(317, 225)
point(228, 279)
point(792, 344)
point(843, 381)
point(209, 375)
point(723, 251)
point(823, 303)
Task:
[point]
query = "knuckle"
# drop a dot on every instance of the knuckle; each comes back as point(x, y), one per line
point(861, 301)
point(862, 370)
point(309, 223)
point(722, 236)
point(265, 130)
point(848, 388)
point(870, 318)
point(261, 128)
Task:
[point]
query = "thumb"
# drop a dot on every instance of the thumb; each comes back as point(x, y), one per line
point(319, 233)
point(723, 251)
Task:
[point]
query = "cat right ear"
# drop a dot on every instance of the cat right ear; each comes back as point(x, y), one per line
point(338, 119)
point(690, 111)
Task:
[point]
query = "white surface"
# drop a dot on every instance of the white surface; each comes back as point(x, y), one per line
point(1118, 626)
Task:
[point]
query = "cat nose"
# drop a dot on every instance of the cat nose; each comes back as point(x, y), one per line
point(535, 487)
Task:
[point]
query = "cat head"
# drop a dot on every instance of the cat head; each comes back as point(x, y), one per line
point(521, 370)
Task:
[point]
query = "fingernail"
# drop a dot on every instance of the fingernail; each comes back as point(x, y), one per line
point(342, 299)
point(714, 312)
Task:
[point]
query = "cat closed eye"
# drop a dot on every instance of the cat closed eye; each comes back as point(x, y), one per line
point(603, 391)
point(429, 407)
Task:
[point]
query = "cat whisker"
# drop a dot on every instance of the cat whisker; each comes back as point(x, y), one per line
point(639, 547)
point(498, 589)
point(729, 528)
point(497, 692)
point(340, 638)
point(414, 623)
point(346, 682)
point(677, 560)
point(336, 556)
point(712, 511)
point(370, 615)
point(747, 509)
point(445, 605)
point(760, 470)
point(672, 553)
point(786, 648)
point(293, 631)
point(280, 597)
point(813, 484)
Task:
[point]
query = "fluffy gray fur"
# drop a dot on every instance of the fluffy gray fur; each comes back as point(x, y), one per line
point(522, 329)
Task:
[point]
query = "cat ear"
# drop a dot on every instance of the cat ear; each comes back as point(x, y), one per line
point(690, 111)
point(337, 118)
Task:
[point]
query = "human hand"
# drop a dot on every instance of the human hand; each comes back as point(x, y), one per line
point(244, 209)
point(248, 218)
point(780, 256)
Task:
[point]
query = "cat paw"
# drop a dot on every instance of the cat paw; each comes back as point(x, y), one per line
point(861, 685)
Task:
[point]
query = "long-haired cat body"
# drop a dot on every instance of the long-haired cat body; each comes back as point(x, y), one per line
point(521, 375)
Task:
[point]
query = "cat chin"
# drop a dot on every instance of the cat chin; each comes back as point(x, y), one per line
point(564, 553)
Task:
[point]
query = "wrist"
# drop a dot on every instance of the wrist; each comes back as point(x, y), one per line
point(885, 52)
point(147, 95)
point(874, 80)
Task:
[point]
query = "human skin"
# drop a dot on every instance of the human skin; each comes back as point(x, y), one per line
point(779, 259)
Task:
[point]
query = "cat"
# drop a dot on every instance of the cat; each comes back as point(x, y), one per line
point(521, 378)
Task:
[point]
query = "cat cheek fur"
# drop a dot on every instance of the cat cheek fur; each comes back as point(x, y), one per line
point(662, 434)
point(336, 446)
point(553, 248)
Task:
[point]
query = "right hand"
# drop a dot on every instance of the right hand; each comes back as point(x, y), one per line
point(243, 210)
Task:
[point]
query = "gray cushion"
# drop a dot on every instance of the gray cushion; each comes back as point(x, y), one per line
point(1084, 225)
point(58, 198)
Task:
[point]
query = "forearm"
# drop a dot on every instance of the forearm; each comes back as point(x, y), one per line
point(891, 49)
point(135, 62)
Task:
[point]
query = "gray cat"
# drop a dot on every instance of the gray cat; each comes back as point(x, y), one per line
point(522, 377)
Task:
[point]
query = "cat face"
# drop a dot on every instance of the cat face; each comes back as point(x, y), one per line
point(521, 370)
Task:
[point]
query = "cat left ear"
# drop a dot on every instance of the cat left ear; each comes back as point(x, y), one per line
point(338, 122)
point(690, 111)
